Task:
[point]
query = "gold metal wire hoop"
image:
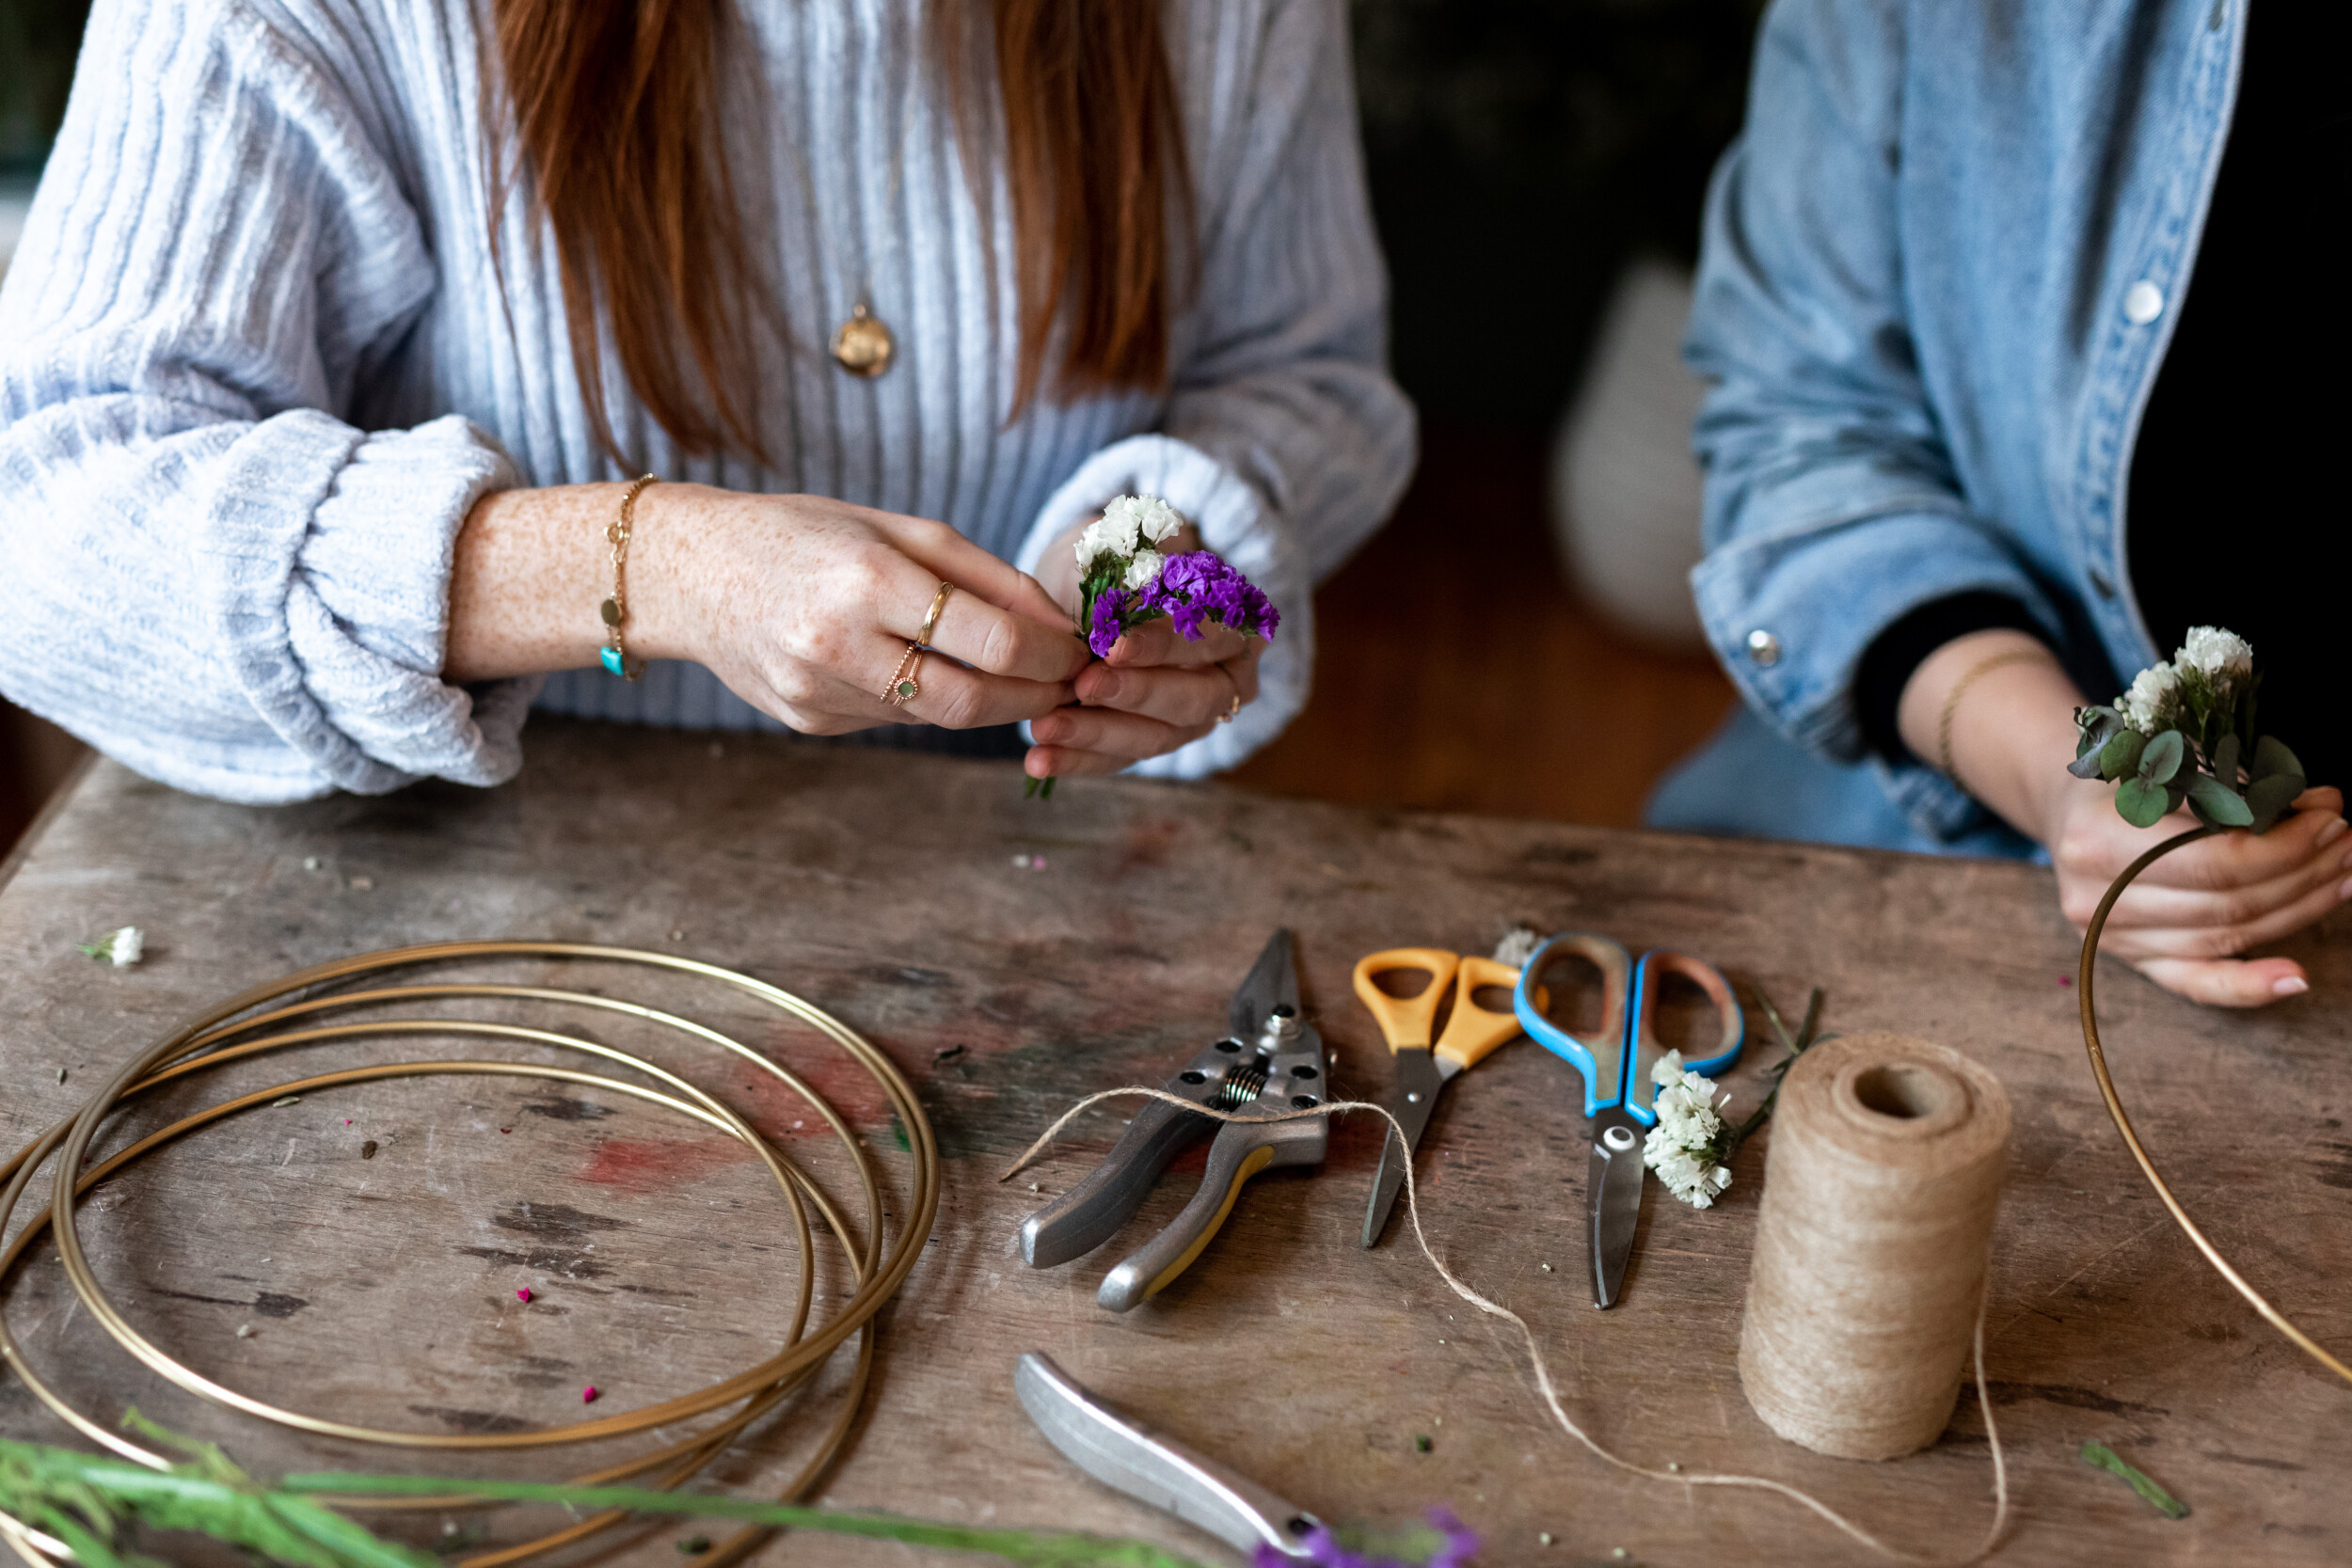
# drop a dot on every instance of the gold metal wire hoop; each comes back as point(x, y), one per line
point(211, 1039)
point(92, 1290)
point(2271, 1315)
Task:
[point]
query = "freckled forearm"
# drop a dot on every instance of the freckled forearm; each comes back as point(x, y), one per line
point(532, 567)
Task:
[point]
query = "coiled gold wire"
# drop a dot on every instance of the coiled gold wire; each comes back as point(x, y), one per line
point(219, 1036)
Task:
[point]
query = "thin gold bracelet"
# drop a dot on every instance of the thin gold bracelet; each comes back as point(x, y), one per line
point(614, 653)
point(1959, 688)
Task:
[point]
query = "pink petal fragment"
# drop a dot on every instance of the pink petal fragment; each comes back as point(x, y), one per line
point(523, 1295)
point(588, 1395)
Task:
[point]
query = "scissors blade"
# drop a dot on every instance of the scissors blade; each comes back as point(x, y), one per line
point(1273, 981)
point(1419, 1076)
point(1613, 1190)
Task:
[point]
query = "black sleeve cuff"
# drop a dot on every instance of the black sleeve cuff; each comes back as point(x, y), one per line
point(1895, 654)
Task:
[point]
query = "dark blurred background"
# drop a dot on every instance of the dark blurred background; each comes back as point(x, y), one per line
point(1537, 169)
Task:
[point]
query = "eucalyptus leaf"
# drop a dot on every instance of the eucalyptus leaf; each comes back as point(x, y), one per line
point(2161, 758)
point(2096, 726)
point(2225, 761)
point(2141, 803)
point(2266, 797)
point(2085, 765)
point(2120, 755)
point(2272, 758)
point(2217, 805)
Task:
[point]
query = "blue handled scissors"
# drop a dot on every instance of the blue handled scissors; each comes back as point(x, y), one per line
point(1616, 1064)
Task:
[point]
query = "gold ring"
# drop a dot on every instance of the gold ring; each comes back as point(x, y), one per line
point(903, 687)
point(1235, 712)
point(931, 621)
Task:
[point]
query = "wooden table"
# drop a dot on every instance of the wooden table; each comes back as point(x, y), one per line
point(889, 889)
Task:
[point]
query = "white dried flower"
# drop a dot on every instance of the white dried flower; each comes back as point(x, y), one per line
point(1144, 517)
point(1518, 946)
point(1686, 1147)
point(120, 948)
point(2153, 698)
point(2216, 653)
point(1142, 571)
point(1103, 537)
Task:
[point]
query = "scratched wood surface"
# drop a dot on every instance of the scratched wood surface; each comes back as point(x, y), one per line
point(381, 1288)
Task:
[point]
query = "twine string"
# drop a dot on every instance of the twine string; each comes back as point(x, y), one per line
point(1534, 1350)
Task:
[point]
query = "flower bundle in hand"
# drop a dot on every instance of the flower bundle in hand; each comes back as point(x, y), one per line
point(1124, 579)
point(2185, 733)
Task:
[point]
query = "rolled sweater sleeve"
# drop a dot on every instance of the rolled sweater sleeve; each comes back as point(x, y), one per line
point(1832, 506)
point(224, 582)
point(1285, 442)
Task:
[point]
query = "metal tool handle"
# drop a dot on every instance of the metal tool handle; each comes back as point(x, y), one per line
point(1473, 1031)
point(1602, 1060)
point(1241, 1152)
point(1128, 1456)
point(1406, 1020)
point(1086, 1216)
point(1643, 1047)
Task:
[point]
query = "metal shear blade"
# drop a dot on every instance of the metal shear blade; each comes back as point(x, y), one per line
point(1125, 1454)
point(1271, 1062)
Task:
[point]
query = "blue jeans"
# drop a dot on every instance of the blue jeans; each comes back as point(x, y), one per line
point(1748, 781)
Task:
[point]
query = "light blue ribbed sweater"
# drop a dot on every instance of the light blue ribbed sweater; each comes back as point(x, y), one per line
point(255, 367)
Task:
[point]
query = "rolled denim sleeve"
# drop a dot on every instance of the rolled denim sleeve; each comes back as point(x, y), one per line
point(1831, 505)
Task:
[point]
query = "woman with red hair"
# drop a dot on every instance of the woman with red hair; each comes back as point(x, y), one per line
point(340, 329)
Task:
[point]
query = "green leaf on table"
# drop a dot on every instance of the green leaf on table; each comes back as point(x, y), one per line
point(2225, 761)
point(2141, 803)
point(2099, 1456)
point(2266, 797)
point(2120, 755)
point(2217, 805)
point(2272, 757)
point(2161, 758)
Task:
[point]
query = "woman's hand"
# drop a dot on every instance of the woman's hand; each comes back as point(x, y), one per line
point(1154, 692)
point(802, 605)
point(2185, 919)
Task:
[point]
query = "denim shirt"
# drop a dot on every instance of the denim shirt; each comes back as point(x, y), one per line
point(1940, 269)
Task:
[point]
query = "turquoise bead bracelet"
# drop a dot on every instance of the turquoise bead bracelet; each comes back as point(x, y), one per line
point(614, 653)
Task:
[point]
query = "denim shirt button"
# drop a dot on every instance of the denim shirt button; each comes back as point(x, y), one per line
point(1763, 647)
point(2143, 301)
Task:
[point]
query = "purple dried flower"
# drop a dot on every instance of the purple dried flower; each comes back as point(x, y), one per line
point(1199, 585)
point(1322, 1550)
point(1103, 633)
point(1461, 1542)
point(1460, 1550)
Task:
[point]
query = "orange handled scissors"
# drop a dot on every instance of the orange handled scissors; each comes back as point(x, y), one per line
point(1471, 1033)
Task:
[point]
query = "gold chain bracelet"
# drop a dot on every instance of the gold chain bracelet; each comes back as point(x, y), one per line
point(1960, 689)
point(614, 653)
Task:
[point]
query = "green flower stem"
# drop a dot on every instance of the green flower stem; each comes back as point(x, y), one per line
point(1797, 1044)
point(80, 1498)
point(1042, 1549)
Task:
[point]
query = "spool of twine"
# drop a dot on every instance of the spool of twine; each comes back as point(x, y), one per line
point(1870, 1254)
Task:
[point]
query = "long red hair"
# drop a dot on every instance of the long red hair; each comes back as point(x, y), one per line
point(614, 111)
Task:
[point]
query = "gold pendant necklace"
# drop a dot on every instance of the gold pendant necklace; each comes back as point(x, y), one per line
point(864, 347)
